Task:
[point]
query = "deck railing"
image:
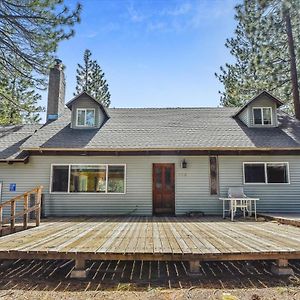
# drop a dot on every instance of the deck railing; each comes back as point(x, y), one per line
point(25, 198)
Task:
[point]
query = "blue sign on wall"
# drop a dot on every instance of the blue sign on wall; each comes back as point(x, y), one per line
point(12, 187)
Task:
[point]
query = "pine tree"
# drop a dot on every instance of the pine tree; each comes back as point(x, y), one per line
point(100, 86)
point(30, 32)
point(90, 79)
point(84, 73)
point(20, 104)
point(19, 99)
point(261, 49)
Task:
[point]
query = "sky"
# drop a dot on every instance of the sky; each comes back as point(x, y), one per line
point(155, 53)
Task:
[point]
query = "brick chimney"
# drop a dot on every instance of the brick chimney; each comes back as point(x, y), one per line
point(56, 91)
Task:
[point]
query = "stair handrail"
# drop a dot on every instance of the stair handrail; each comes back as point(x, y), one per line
point(37, 191)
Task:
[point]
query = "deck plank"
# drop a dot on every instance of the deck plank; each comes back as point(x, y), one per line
point(36, 239)
point(61, 239)
point(157, 244)
point(81, 238)
point(116, 245)
point(237, 240)
point(134, 236)
point(113, 236)
point(208, 247)
point(94, 242)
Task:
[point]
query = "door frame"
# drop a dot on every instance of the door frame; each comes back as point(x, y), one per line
point(153, 173)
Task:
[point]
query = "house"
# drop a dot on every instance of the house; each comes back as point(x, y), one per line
point(94, 160)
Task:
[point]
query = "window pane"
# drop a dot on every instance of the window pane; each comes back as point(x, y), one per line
point(81, 117)
point(116, 176)
point(267, 115)
point(90, 117)
point(277, 173)
point(60, 178)
point(158, 178)
point(257, 116)
point(88, 179)
point(254, 173)
point(168, 178)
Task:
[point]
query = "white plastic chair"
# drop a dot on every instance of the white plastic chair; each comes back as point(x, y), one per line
point(237, 193)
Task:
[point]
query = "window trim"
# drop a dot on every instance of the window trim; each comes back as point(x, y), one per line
point(85, 109)
point(262, 115)
point(51, 176)
point(266, 174)
point(89, 193)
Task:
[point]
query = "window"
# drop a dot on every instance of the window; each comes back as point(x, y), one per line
point(266, 173)
point(277, 173)
point(262, 116)
point(116, 176)
point(254, 173)
point(88, 178)
point(60, 178)
point(86, 117)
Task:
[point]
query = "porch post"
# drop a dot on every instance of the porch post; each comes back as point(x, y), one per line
point(80, 271)
point(194, 267)
point(282, 267)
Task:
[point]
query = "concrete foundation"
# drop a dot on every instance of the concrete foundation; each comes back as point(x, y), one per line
point(282, 268)
point(194, 269)
point(80, 271)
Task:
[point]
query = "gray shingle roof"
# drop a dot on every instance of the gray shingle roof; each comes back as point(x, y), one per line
point(12, 137)
point(166, 128)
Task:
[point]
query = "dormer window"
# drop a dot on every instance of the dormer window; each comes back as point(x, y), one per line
point(260, 111)
point(262, 115)
point(87, 113)
point(85, 117)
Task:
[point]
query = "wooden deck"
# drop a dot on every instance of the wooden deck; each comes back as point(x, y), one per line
point(153, 238)
point(284, 218)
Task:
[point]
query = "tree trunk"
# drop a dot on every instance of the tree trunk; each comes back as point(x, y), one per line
point(293, 65)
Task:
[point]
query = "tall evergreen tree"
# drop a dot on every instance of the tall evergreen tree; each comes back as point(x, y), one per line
point(90, 79)
point(261, 48)
point(100, 86)
point(84, 73)
point(20, 103)
point(30, 32)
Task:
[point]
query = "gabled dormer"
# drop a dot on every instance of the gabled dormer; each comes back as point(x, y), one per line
point(260, 111)
point(87, 112)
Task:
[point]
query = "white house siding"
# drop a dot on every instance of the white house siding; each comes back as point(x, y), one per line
point(274, 197)
point(192, 185)
point(244, 116)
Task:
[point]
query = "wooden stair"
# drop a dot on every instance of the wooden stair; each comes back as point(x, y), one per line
point(12, 203)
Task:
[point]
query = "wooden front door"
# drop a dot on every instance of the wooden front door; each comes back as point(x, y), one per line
point(163, 189)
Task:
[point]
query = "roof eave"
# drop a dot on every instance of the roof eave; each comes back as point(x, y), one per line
point(162, 149)
point(15, 160)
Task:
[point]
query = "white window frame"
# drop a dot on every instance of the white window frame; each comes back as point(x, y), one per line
point(266, 174)
point(87, 193)
point(51, 176)
point(85, 109)
point(262, 116)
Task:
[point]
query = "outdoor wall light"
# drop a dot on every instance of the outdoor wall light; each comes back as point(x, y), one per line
point(183, 164)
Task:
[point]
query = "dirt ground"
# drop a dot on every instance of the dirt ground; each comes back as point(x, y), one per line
point(119, 280)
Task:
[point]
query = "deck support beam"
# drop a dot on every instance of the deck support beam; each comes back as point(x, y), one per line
point(282, 267)
point(194, 267)
point(80, 271)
